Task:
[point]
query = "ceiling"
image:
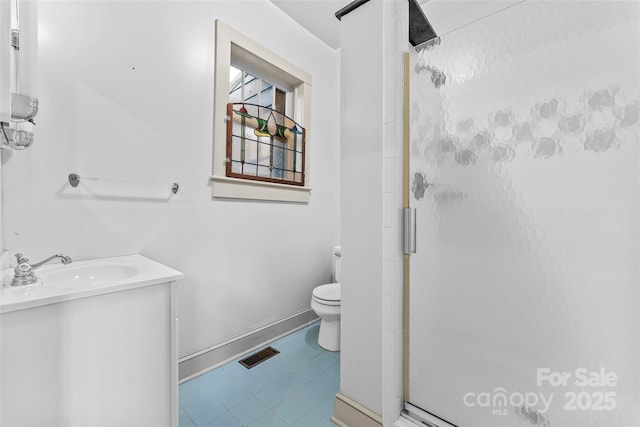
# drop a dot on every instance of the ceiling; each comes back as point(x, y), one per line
point(318, 16)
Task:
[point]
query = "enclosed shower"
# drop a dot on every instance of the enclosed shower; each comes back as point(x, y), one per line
point(524, 173)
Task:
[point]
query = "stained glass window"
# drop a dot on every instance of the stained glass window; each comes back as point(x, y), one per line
point(264, 144)
point(261, 103)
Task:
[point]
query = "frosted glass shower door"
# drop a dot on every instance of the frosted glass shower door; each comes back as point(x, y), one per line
point(524, 290)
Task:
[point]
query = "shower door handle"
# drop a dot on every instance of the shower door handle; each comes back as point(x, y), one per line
point(409, 230)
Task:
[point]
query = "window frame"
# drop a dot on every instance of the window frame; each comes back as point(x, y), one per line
point(234, 48)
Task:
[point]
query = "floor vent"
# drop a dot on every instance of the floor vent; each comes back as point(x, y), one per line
point(259, 357)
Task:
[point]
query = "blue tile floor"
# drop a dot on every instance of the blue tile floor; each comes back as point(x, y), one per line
point(294, 388)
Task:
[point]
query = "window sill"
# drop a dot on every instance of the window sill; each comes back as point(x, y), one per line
point(234, 188)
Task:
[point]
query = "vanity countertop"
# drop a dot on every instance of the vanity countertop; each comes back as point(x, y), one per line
point(81, 279)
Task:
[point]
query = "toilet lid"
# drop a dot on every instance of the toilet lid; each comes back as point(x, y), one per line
point(330, 292)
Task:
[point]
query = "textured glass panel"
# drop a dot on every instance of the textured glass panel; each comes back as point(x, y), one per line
point(237, 127)
point(264, 153)
point(298, 164)
point(264, 172)
point(250, 151)
point(250, 169)
point(236, 167)
point(524, 173)
point(277, 173)
point(278, 160)
point(236, 148)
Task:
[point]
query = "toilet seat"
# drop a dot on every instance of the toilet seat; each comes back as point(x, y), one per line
point(327, 294)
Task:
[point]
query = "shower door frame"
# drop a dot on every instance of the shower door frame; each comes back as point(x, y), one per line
point(410, 410)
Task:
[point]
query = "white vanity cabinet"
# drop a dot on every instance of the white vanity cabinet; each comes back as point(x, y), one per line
point(108, 358)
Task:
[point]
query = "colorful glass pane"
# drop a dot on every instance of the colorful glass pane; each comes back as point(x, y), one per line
point(264, 144)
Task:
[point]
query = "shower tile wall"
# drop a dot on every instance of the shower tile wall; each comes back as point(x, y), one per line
point(526, 127)
point(395, 19)
point(373, 38)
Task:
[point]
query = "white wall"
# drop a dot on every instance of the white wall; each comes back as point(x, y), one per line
point(373, 39)
point(126, 92)
point(361, 204)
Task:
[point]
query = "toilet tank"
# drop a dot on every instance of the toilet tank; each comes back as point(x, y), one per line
point(337, 254)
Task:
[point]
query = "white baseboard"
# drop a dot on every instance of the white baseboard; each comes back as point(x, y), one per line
point(200, 362)
point(351, 413)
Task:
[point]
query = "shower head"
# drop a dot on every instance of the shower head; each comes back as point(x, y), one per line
point(420, 30)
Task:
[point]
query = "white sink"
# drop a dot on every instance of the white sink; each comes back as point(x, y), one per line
point(87, 275)
point(82, 279)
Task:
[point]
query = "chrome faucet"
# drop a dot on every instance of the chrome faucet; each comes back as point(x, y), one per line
point(24, 273)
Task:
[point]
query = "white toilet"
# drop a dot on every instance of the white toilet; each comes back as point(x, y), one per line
point(325, 302)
